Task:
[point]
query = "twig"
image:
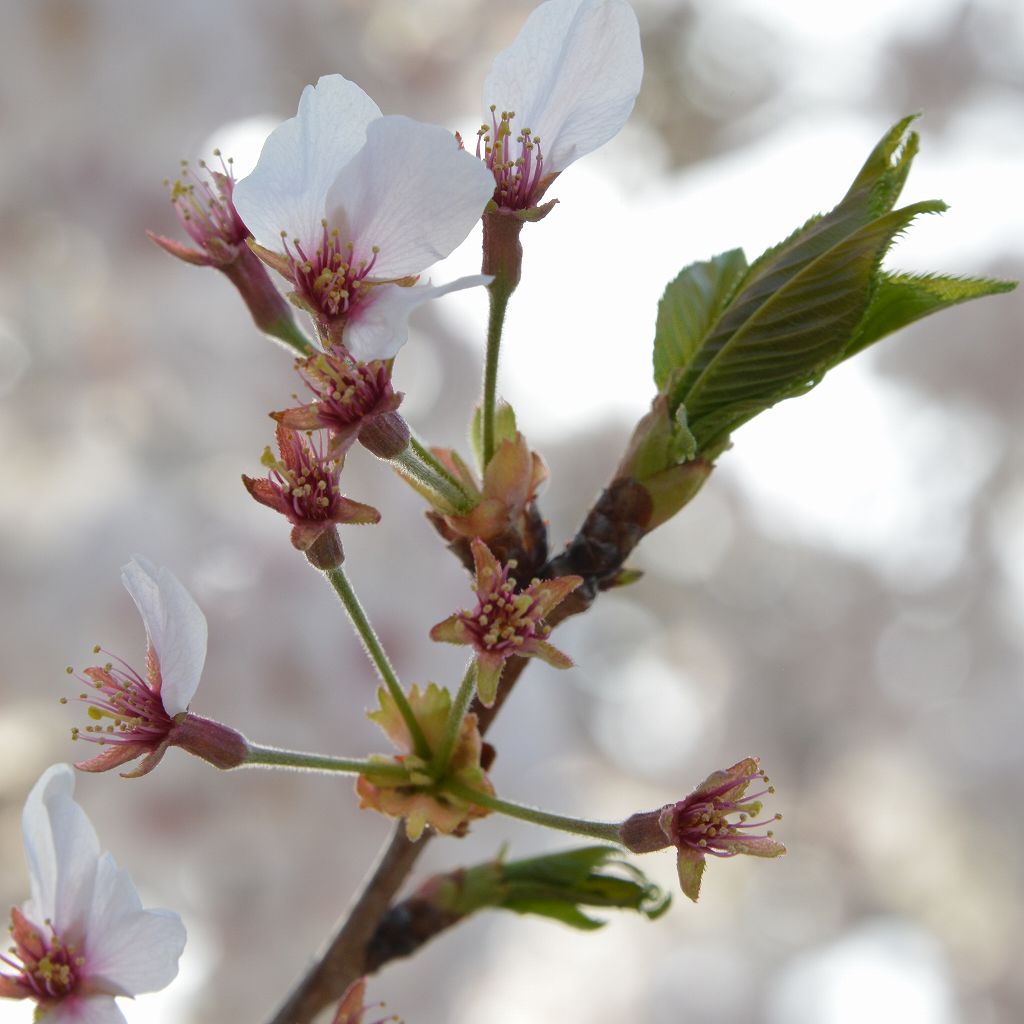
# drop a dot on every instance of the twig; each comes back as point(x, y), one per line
point(343, 959)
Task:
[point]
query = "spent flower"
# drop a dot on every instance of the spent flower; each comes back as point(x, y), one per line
point(302, 484)
point(83, 938)
point(507, 621)
point(353, 401)
point(141, 716)
point(714, 820)
point(351, 207)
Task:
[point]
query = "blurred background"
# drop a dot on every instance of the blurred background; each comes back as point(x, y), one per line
point(844, 598)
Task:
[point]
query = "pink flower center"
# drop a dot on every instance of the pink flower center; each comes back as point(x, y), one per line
point(330, 277)
point(46, 968)
point(125, 707)
point(702, 821)
point(346, 391)
point(205, 207)
point(504, 619)
point(305, 478)
point(516, 161)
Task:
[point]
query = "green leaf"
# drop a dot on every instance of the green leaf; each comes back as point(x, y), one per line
point(796, 332)
point(731, 340)
point(689, 306)
point(900, 299)
point(504, 429)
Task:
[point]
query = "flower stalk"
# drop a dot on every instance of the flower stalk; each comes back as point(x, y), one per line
point(376, 653)
point(431, 479)
point(272, 757)
point(503, 258)
point(453, 727)
point(604, 830)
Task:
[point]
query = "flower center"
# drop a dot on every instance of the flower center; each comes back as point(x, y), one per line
point(305, 477)
point(45, 967)
point(704, 824)
point(346, 391)
point(505, 619)
point(330, 277)
point(204, 205)
point(125, 708)
point(516, 161)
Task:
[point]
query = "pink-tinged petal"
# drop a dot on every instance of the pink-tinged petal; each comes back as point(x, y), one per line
point(452, 631)
point(175, 626)
point(62, 849)
point(488, 675)
point(300, 162)
point(571, 76)
point(183, 252)
point(549, 653)
point(153, 757)
point(412, 193)
point(83, 1010)
point(487, 568)
point(690, 866)
point(379, 326)
point(730, 783)
point(130, 950)
point(350, 1010)
point(301, 417)
point(265, 493)
point(113, 757)
point(355, 513)
point(551, 593)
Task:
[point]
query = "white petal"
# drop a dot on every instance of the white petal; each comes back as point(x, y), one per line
point(571, 76)
point(129, 950)
point(62, 853)
point(175, 626)
point(90, 1010)
point(287, 190)
point(412, 192)
point(381, 324)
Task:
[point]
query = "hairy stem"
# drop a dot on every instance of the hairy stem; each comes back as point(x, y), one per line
point(453, 726)
point(605, 830)
point(420, 466)
point(377, 655)
point(495, 323)
point(272, 757)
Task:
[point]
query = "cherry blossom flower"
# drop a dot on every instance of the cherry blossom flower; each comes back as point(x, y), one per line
point(142, 717)
point(563, 88)
point(506, 621)
point(303, 486)
point(700, 825)
point(83, 938)
point(352, 400)
point(417, 798)
point(351, 207)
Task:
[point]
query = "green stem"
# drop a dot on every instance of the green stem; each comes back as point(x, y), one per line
point(428, 457)
point(453, 726)
point(272, 757)
point(376, 653)
point(499, 296)
point(605, 830)
point(429, 474)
